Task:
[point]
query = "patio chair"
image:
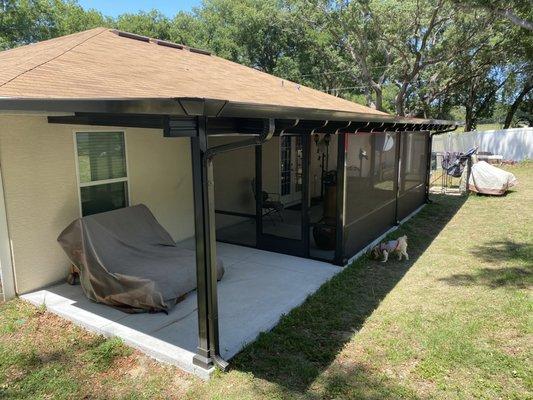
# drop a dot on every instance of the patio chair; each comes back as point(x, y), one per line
point(271, 204)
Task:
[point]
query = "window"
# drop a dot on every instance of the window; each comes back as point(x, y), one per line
point(102, 171)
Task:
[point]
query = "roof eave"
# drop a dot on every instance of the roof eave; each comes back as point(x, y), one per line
point(187, 106)
point(104, 105)
point(234, 109)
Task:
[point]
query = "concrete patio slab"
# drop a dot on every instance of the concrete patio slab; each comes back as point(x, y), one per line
point(257, 289)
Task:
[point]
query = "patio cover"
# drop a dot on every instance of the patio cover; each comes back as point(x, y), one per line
point(129, 261)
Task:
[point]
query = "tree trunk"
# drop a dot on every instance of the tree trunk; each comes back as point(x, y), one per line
point(399, 103)
point(512, 110)
point(469, 119)
point(379, 97)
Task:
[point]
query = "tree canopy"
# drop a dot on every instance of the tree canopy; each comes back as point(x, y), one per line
point(470, 60)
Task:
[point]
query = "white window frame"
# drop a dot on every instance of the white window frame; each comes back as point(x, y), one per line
point(103, 181)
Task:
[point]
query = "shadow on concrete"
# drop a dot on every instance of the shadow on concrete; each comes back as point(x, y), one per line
point(519, 274)
point(309, 338)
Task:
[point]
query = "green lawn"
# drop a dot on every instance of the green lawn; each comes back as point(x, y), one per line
point(454, 322)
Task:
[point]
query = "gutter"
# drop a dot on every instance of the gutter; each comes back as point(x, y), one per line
point(207, 107)
point(268, 131)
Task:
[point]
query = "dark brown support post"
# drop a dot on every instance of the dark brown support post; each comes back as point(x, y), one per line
point(341, 198)
point(306, 199)
point(398, 183)
point(258, 192)
point(206, 273)
point(428, 166)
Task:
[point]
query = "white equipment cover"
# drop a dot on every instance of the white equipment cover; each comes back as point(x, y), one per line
point(488, 179)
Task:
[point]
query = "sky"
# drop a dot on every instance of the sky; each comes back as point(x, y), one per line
point(116, 7)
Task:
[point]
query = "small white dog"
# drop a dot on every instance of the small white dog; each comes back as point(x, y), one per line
point(398, 246)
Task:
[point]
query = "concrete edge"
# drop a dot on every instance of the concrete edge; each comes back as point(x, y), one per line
point(273, 322)
point(160, 351)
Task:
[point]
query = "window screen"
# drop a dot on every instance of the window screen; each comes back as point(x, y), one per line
point(102, 171)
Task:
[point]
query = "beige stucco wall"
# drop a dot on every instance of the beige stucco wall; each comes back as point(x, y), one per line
point(41, 190)
point(235, 170)
point(233, 174)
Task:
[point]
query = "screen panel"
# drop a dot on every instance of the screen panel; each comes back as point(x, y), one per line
point(371, 171)
point(413, 172)
point(234, 176)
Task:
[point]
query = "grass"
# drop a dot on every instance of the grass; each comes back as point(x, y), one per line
point(454, 322)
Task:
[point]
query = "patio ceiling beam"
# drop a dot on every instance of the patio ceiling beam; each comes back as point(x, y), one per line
point(101, 119)
point(266, 133)
point(172, 126)
point(306, 127)
point(236, 126)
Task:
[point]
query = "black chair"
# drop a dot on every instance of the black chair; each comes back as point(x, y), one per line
point(271, 204)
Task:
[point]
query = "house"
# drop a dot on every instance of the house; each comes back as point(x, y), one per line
point(103, 119)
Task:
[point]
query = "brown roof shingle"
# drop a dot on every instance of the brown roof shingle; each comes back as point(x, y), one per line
point(99, 63)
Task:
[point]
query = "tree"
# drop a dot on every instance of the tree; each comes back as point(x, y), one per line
point(527, 86)
point(412, 45)
point(251, 32)
point(518, 12)
point(29, 21)
point(151, 24)
point(425, 58)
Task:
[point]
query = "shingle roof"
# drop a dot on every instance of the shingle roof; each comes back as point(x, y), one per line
point(104, 63)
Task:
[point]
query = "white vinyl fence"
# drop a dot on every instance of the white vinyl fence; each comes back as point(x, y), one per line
point(513, 144)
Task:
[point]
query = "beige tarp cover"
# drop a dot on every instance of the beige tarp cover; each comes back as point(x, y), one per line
point(488, 179)
point(129, 261)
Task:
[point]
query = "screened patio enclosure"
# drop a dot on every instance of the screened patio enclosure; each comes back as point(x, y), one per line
point(311, 183)
point(274, 164)
point(380, 180)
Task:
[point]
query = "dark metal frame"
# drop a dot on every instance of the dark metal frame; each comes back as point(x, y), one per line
point(202, 172)
point(200, 118)
point(341, 199)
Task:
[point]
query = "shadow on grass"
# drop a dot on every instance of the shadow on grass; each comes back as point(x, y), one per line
point(308, 339)
point(493, 252)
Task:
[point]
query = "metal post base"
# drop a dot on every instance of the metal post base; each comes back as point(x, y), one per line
point(209, 362)
point(201, 361)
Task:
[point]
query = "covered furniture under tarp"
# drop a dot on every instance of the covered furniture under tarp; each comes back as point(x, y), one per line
point(487, 179)
point(129, 261)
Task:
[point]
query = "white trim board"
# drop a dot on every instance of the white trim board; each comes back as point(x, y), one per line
point(7, 274)
point(105, 181)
